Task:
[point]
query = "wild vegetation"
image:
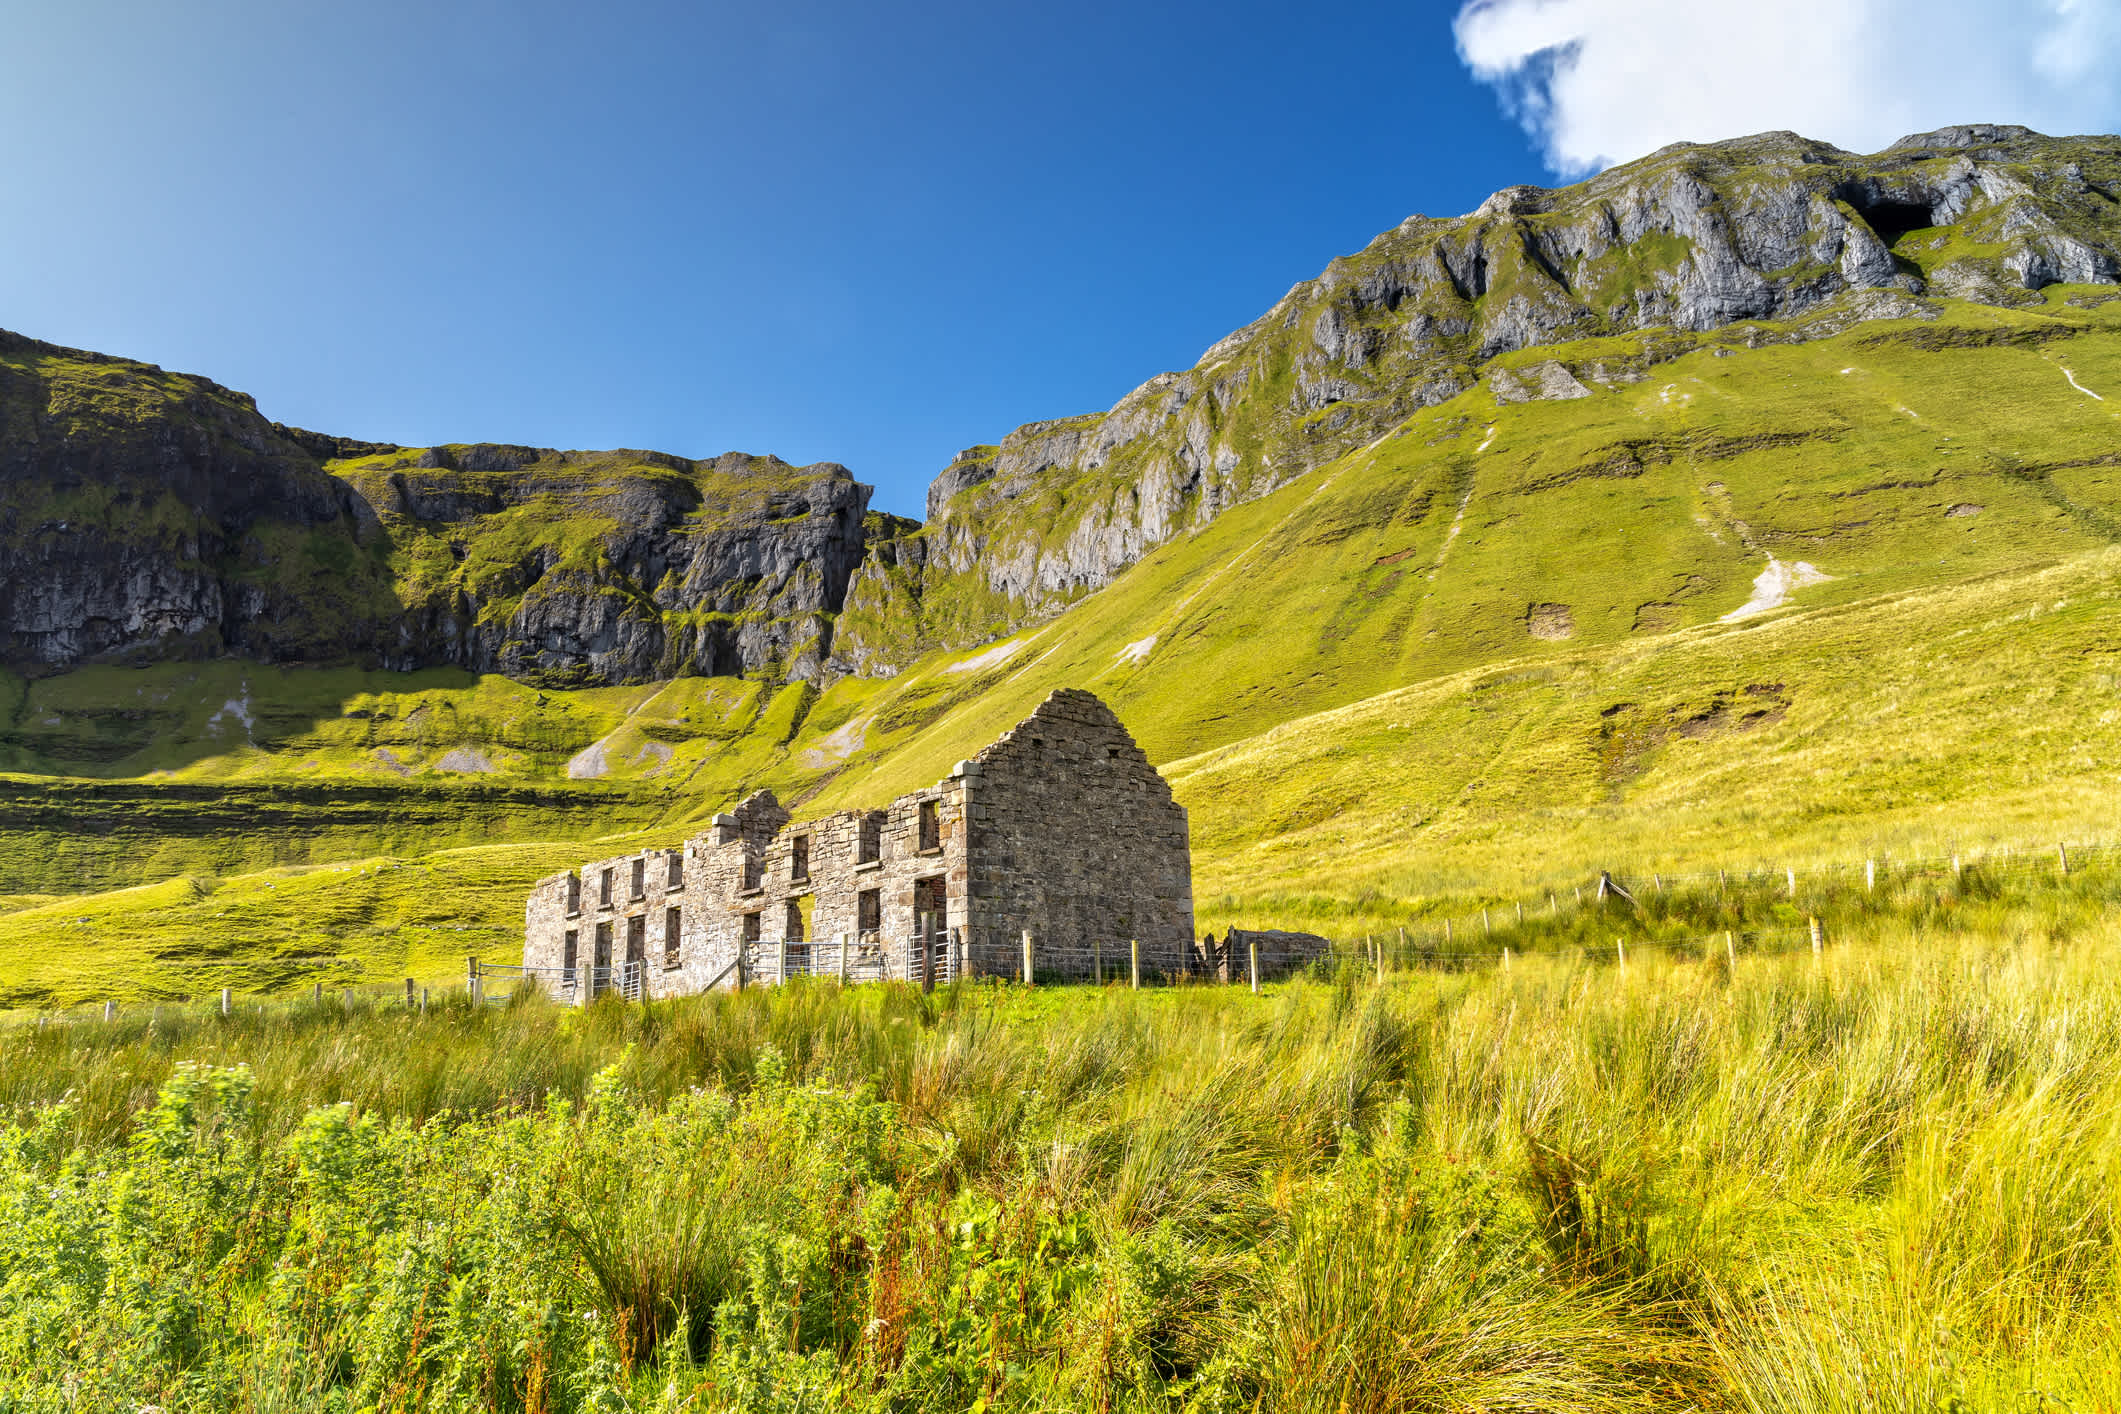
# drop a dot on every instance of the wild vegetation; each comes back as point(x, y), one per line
point(1879, 1179)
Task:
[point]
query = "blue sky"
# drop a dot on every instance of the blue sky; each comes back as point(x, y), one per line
point(860, 233)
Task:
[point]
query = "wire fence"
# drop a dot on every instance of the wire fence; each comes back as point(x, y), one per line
point(1623, 900)
point(1488, 936)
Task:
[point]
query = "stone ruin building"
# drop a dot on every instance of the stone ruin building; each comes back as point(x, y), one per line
point(1061, 829)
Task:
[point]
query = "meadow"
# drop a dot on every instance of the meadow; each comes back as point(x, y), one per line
point(1879, 1178)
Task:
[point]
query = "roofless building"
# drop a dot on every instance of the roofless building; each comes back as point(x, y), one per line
point(1061, 828)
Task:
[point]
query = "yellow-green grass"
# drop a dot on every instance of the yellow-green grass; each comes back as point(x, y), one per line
point(1341, 678)
point(1877, 1180)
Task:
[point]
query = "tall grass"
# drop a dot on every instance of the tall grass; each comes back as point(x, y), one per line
point(1882, 1179)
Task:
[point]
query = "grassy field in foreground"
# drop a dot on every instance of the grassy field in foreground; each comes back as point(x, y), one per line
point(1883, 1180)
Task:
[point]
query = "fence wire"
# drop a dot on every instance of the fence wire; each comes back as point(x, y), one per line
point(1475, 932)
point(1455, 942)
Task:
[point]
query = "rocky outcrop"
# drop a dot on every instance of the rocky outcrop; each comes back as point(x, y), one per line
point(596, 567)
point(153, 513)
point(1690, 239)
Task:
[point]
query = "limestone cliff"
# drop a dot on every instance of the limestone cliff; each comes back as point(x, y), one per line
point(600, 567)
point(152, 513)
point(1690, 239)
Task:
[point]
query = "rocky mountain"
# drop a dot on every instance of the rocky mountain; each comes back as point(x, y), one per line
point(152, 514)
point(149, 512)
point(571, 568)
point(1690, 239)
point(156, 514)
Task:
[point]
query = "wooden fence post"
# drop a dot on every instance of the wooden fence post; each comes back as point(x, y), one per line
point(1134, 956)
point(1447, 932)
point(1817, 938)
point(1028, 972)
point(2062, 855)
point(110, 1011)
point(316, 994)
point(1958, 875)
point(227, 999)
point(927, 952)
point(1793, 882)
point(1730, 950)
point(1402, 958)
point(1506, 959)
point(1253, 948)
point(1870, 876)
point(843, 959)
point(471, 981)
point(1097, 961)
point(409, 985)
point(1380, 964)
point(1520, 913)
point(1621, 948)
point(423, 1001)
point(780, 959)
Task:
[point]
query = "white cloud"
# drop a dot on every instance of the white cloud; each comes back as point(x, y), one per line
point(1604, 81)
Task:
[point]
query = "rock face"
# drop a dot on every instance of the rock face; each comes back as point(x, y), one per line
point(150, 513)
point(573, 568)
point(1690, 239)
point(153, 513)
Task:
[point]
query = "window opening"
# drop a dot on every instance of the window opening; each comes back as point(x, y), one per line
point(567, 957)
point(677, 869)
point(752, 869)
point(640, 877)
point(604, 890)
point(929, 903)
point(869, 910)
point(636, 940)
point(792, 929)
point(751, 928)
point(600, 961)
point(931, 826)
point(672, 921)
point(872, 840)
point(799, 858)
point(574, 892)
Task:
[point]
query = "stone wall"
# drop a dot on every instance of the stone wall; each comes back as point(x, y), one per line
point(633, 910)
point(1062, 827)
point(1076, 838)
point(1280, 954)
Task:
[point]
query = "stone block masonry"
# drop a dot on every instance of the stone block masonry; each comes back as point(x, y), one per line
point(1061, 828)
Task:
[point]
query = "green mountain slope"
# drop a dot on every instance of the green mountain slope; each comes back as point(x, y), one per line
point(1488, 651)
point(1690, 239)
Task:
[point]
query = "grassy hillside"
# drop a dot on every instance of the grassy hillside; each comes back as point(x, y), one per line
point(1600, 274)
point(1493, 648)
